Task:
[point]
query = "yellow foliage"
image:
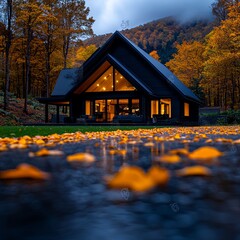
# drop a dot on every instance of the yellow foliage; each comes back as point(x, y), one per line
point(155, 55)
point(188, 62)
point(83, 53)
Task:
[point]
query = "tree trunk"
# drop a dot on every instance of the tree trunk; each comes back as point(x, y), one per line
point(8, 45)
point(66, 40)
point(28, 50)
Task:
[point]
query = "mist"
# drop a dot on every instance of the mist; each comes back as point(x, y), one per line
point(112, 15)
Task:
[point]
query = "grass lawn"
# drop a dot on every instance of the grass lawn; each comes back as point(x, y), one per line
point(18, 131)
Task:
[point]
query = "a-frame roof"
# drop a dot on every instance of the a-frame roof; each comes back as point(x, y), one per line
point(164, 73)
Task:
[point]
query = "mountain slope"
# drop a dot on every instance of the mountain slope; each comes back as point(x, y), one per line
point(161, 35)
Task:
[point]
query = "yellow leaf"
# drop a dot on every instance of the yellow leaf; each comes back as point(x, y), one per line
point(3, 148)
point(24, 171)
point(179, 151)
point(237, 141)
point(149, 144)
point(177, 136)
point(40, 142)
point(81, 157)
point(205, 153)
point(118, 152)
point(144, 185)
point(169, 159)
point(159, 175)
point(194, 171)
point(131, 177)
point(45, 152)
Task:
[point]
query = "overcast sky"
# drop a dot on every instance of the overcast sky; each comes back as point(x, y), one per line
point(112, 15)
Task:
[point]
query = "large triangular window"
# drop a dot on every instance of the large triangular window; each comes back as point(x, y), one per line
point(111, 80)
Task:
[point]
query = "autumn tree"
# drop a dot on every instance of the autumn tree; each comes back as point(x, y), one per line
point(29, 16)
point(49, 34)
point(74, 23)
point(222, 67)
point(84, 52)
point(188, 64)
point(7, 35)
point(220, 8)
point(155, 55)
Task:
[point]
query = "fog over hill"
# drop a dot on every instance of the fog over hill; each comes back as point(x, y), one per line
point(162, 35)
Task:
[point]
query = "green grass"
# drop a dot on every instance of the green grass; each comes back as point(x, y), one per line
point(18, 131)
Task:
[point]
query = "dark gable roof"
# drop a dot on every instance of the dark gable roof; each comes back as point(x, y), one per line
point(168, 75)
point(70, 79)
point(67, 79)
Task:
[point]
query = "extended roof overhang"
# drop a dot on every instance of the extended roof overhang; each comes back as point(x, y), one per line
point(54, 100)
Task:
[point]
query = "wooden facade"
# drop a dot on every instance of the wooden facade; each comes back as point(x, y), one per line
point(121, 83)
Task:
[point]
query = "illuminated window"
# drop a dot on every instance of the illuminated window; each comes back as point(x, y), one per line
point(135, 107)
point(166, 107)
point(103, 83)
point(186, 110)
point(88, 107)
point(121, 83)
point(154, 107)
point(107, 83)
point(162, 107)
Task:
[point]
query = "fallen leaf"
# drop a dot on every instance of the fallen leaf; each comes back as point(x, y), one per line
point(45, 152)
point(179, 151)
point(159, 175)
point(81, 157)
point(237, 141)
point(205, 153)
point(169, 159)
point(194, 171)
point(118, 152)
point(131, 177)
point(177, 136)
point(149, 144)
point(24, 171)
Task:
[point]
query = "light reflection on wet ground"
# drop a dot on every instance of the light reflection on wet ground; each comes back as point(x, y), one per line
point(76, 204)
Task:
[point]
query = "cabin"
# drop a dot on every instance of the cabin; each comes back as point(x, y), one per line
point(121, 83)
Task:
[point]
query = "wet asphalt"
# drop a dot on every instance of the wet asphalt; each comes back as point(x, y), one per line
point(76, 204)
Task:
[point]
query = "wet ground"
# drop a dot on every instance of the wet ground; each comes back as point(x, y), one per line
point(76, 204)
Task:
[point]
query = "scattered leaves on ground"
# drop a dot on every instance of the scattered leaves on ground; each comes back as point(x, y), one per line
point(122, 144)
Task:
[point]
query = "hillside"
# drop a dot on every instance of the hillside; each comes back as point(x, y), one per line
point(161, 35)
point(15, 115)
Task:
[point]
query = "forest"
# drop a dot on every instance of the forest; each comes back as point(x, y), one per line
point(38, 38)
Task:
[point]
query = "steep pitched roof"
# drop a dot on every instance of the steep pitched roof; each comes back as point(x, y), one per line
point(70, 79)
point(169, 76)
point(67, 79)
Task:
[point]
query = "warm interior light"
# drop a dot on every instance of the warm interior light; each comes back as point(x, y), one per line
point(97, 85)
point(105, 78)
point(117, 81)
point(121, 77)
point(104, 88)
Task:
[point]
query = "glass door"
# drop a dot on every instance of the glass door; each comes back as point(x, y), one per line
point(100, 110)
